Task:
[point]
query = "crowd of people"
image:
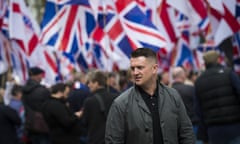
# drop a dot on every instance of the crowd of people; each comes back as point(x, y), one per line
point(138, 106)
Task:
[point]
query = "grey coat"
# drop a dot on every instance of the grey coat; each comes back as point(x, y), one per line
point(129, 119)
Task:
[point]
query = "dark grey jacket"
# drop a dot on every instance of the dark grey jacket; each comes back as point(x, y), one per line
point(129, 119)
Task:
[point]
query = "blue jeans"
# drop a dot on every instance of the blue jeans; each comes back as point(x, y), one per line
point(195, 130)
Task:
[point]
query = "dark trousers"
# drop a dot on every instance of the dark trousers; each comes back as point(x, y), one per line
point(224, 134)
point(39, 138)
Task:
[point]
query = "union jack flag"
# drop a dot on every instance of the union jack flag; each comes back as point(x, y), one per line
point(71, 2)
point(110, 35)
point(165, 18)
point(69, 30)
point(182, 54)
point(139, 28)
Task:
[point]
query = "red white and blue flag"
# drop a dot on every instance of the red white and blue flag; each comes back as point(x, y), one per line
point(139, 28)
point(70, 2)
point(68, 31)
point(27, 34)
point(5, 48)
point(236, 52)
point(3, 10)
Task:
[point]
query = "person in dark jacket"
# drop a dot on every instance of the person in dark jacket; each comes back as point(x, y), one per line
point(96, 107)
point(63, 124)
point(187, 92)
point(77, 95)
point(17, 105)
point(218, 96)
point(148, 112)
point(9, 121)
point(34, 95)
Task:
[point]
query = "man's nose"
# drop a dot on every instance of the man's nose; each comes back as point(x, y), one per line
point(135, 71)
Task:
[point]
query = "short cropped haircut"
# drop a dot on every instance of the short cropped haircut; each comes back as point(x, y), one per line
point(59, 87)
point(145, 52)
point(16, 89)
point(98, 76)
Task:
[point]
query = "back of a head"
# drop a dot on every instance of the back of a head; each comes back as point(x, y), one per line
point(211, 57)
point(36, 73)
point(98, 76)
point(145, 52)
point(178, 72)
point(79, 76)
point(59, 87)
point(16, 89)
point(33, 71)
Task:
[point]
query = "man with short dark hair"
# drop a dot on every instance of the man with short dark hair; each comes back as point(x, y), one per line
point(62, 122)
point(96, 107)
point(148, 112)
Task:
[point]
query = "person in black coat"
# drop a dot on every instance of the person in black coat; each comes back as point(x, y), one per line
point(218, 97)
point(63, 124)
point(187, 93)
point(96, 107)
point(79, 92)
point(9, 120)
point(34, 95)
point(77, 95)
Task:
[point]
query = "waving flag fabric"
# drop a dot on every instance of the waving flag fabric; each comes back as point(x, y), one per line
point(70, 2)
point(27, 35)
point(138, 26)
point(108, 28)
point(237, 10)
point(109, 25)
point(19, 61)
point(165, 18)
point(3, 9)
point(236, 52)
point(183, 54)
point(83, 34)
point(225, 25)
point(69, 32)
point(4, 54)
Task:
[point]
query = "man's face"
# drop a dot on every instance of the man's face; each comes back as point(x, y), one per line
point(143, 70)
point(93, 86)
point(38, 77)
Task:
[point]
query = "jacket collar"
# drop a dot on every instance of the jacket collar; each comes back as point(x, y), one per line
point(141, 102)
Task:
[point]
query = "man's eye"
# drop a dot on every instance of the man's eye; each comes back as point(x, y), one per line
point(140, 67)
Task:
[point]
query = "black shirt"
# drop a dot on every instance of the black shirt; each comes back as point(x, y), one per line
point(152, 104)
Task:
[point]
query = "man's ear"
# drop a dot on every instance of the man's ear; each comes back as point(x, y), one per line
point(155, 67)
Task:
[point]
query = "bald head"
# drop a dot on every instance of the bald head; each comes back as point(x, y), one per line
point(178, 74)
